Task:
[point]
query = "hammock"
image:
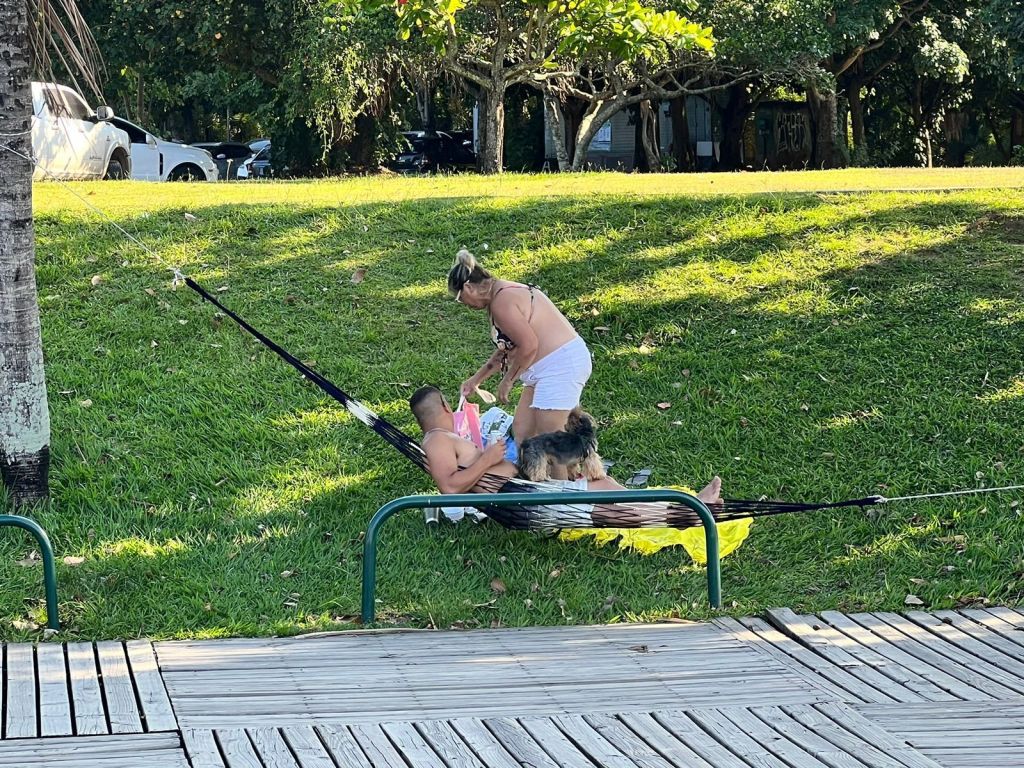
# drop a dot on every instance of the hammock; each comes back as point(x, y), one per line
point(574, 516)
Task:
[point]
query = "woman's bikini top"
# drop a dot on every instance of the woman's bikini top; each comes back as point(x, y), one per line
point(500, 339)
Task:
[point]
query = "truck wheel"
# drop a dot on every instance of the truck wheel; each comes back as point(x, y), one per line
point(116, 168)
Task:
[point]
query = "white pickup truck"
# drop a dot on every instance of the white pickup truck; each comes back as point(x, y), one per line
point(70, 140)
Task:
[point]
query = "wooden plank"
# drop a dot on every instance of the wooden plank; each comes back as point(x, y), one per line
point(446, 742)
point(343, 747)
point(202, 748)
point(975, 650)
point(519, 743)
point(272, 749)
point(236, 748)
point(842, 652)
point(736, 739)
point(870, 733)
point(974, 638)
point(848, 686)
point(377, 746)
point(157, 713)
point(483, 743)
point(770, 739)
point(626, 741)
point(897, 640)
point(90, 715)
point(708, 747)
point(589, 741)
point(54, 696)
point(162, 750)
point(995, 620)
point(554, 742)
point(892, 662)
point(780, 722)
point(118, 691)
point(417, 752)
point(871, 754)
point(309, 751)
point(665, 743)
point(20, 667)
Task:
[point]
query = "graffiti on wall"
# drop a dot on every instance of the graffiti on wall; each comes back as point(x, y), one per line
point(792, 132)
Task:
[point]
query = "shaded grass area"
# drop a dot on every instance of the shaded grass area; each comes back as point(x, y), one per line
point(812, 347)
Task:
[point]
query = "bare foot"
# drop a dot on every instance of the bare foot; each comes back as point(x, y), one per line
point(712, 492)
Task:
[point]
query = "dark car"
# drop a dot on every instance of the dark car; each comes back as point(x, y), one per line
point(258, 166)
point(431, 152)
point(229, 156)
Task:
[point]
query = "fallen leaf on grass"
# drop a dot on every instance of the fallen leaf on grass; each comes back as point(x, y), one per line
point(151, 292)
point(96, 280)
point(664, 406)
point(358, 276)
point(555, 573)
point(30, 560)
point(24, 626)
point(913, 600)
point(919, 582)
point(602, 328)
point(498, 586)
point(287, 574)
point(190, 217)
point(73, 560)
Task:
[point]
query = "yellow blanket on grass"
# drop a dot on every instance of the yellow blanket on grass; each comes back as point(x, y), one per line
point(647, 541)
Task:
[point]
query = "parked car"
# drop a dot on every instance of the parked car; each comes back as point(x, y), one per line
point(229, 156)
point(258, 166)
point(430, 152)
point(71, 140)
point(154, 159)
point(258, 145)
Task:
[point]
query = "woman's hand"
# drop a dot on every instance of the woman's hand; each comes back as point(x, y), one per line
point(468, 387)
point(504, 390)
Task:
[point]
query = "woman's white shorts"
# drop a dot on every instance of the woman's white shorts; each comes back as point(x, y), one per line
point(558, 378)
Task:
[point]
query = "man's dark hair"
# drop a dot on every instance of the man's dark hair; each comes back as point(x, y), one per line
point(420, 398)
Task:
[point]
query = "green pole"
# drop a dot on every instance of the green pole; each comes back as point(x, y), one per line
point(533, 500)
point(49, 567)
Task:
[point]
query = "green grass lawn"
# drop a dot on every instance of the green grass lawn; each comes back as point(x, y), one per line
point(812, 346)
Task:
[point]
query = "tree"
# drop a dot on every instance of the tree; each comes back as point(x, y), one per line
point(494, 44)
point(27, 31)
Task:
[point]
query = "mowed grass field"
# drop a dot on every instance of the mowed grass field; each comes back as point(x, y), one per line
point(812, 346)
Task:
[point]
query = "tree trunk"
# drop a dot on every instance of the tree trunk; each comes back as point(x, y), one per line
point(1016, 129)
point(492, 124)
point(681, 149)
point(824, 110)
point(641, 162)
point(593, 118)
point(649, 136)
point(24, 419)
point(556, 119)
point(733, 117)
point(140, 100)
point(856, 118)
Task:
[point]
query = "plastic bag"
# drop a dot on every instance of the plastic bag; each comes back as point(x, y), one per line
point(467, 422)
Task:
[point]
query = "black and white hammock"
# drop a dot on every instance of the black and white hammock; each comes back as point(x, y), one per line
point(647, 515)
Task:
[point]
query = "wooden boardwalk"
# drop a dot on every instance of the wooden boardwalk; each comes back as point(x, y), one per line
point(869, 690)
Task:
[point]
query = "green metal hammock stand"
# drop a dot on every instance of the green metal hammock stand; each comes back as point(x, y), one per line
point(49, 568)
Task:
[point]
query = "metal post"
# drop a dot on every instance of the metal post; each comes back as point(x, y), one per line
point(49, 567)
point(533, 500)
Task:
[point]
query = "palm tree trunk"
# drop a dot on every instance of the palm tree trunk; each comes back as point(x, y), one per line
point(24, 419)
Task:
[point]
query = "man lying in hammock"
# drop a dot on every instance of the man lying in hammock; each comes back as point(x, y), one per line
point(458, 466)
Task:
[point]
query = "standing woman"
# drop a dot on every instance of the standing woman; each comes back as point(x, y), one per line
point(534, 343)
